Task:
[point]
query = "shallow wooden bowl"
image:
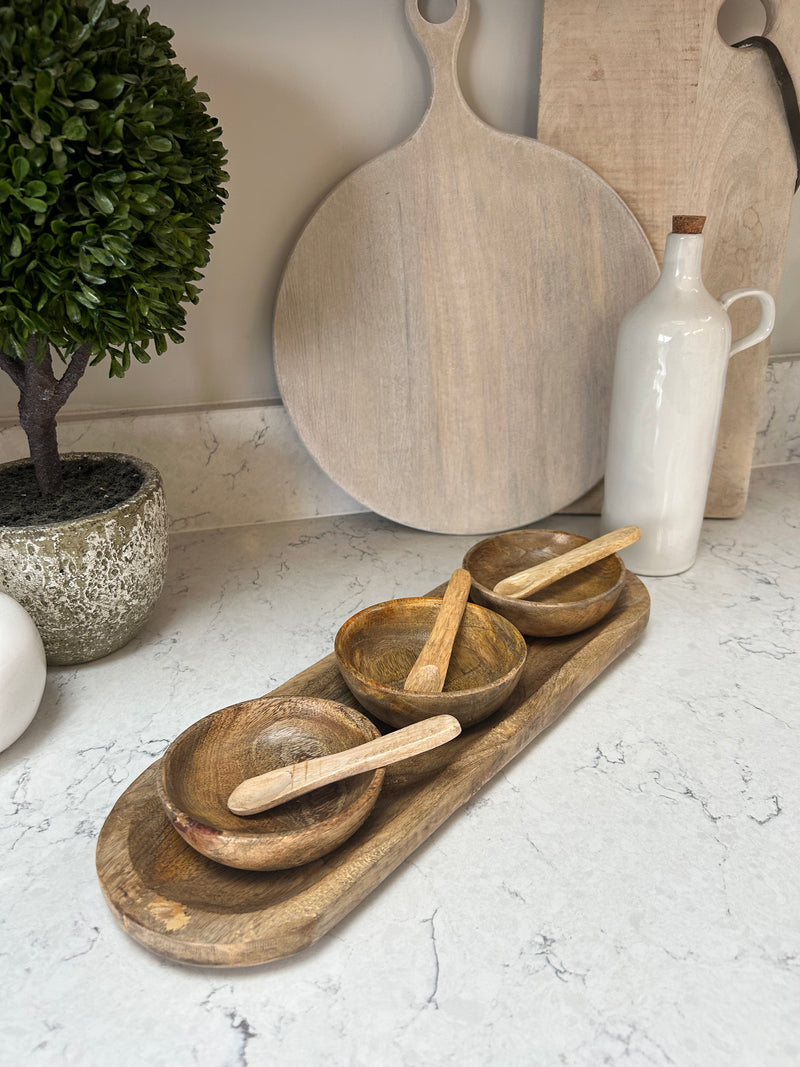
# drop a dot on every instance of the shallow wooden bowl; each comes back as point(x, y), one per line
point(571, 604)
point(377, 647)
point(202, 766)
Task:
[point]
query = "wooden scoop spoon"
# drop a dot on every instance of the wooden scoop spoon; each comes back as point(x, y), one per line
point(523, 583)
point(266, 791)
point(430, 668)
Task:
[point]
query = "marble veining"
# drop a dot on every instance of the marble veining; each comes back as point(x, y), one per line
point(233, 466)
point(778, 435)
point(624, 892)
point(227, 466)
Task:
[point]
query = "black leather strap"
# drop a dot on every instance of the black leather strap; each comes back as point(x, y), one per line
point(786, 86)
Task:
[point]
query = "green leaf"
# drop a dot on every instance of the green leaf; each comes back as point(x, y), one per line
point(39, 131)
point(101, 256)
point(44, 85)
point(93, 300)
point(20, 168)
point(119, 246)
point(96, 8)
point(109, 87)
point(33, 202)
point(83, 82)
point(103, 202)
point(95, 279)
point(80, 35)
point(87, 301)
point(15, 248)
point(49, 20)
point(35, 188)
point(16, 351)
point(158, 143)
point(74, 129)
point(87, 103)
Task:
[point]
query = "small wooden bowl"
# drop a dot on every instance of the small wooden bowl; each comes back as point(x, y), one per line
point(203, 765)
point(571, 604)
point(377, 647)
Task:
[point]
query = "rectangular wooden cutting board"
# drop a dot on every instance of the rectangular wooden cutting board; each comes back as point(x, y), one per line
point(679, 122)
point(189, 909)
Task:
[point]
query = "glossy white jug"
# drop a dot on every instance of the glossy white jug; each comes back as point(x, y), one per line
point(669, 379)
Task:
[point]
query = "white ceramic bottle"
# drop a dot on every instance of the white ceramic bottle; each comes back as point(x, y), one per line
point(669, 379)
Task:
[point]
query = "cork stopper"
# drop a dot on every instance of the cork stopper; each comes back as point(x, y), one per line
point(688, 223)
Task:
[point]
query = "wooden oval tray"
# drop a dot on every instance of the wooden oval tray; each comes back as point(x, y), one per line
point(188, 908)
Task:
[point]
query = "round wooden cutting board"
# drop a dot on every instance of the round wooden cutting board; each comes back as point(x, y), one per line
point(446, 324)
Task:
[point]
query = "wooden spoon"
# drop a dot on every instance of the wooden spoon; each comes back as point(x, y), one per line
point(430, 668)
point(523, 583)
point(266, 791)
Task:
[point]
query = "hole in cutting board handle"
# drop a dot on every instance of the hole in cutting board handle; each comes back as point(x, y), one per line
point(738, 19)
point(437, 11)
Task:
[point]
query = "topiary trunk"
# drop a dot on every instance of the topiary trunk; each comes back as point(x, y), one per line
point(42, 395)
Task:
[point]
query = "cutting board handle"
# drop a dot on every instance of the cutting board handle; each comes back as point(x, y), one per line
point(786, 88)
point(440, 42)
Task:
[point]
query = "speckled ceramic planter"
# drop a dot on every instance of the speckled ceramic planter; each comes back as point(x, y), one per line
point(89, 584)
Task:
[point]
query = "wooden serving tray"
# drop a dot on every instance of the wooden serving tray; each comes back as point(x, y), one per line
point(188, 908)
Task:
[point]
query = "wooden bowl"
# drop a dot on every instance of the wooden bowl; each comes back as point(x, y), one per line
point(571, 604)
point(202, 766)
point(377, 647)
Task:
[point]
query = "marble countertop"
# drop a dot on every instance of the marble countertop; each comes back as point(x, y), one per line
point(625, 892)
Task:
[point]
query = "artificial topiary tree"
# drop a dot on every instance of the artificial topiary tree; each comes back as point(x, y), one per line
point(111, 174)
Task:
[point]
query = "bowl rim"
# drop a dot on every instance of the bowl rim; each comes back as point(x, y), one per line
point(537, 605)
point(178, 817)
point(425, 698)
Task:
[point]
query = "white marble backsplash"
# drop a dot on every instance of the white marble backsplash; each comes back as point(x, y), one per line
point(236, 465)
point(778, 437)
point(227, 466)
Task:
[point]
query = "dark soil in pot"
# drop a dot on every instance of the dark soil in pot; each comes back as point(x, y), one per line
point(90, 485)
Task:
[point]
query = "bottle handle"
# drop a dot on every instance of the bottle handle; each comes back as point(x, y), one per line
point(764, 328)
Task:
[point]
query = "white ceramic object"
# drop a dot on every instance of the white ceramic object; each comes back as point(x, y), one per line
point(23, 670)
point(669, 377)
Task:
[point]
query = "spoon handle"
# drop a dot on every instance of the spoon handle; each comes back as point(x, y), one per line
point(430, 668)
point(531, 580)
point(266, 791)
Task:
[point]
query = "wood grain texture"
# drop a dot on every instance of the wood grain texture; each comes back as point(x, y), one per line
point(183, 906)
point(565, 607)
point(375, 647)
point(268, 790)
point(203, 764)
point(677, 121)
point(445, 326)
point(540, 575)
point(429, 671)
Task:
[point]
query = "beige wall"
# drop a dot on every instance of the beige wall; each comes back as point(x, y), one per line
point(306, 90)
